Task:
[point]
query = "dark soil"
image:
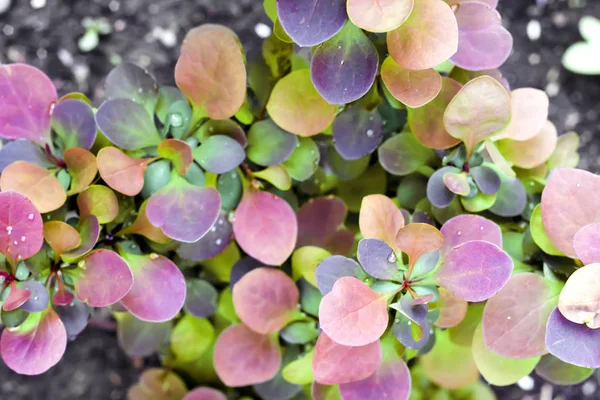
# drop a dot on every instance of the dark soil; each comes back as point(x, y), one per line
point(148, 32)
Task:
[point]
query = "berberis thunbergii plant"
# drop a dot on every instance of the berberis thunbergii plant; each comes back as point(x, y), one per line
point(379, 216)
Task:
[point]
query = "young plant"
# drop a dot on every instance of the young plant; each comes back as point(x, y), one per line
point(361, 220)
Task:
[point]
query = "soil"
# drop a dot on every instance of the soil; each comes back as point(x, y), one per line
point(45, 33)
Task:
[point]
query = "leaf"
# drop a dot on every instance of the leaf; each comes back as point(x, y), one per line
point(427, 38)
point(265, 227)
point(413, 88)
point(568, 204)
point(178, 152)
point(105, 279)
point(539, 235)
point(561, 373)
point(584, 244)
point(520, 310)
point(219, 154)
point(520, 153)
point(438, 193)
point(214, 242)
point(310, 24)
point(579, 299)
point(452, 309)
point(128, 81)
point(99, 201)
point(34, 182)
point(82, 169)
point(417, 239)
point(321, 224)
point(214, 81)
point(201, 299)
point(243, 357)
point(325, 392)
point(457, 183)
point(342, 169)
point(184, 212)
point(380, 218)
point(17, 296)
point(487, 179)
point(61, 236)
point(403, 154)
point(464, 228)
point(127, 124)
point(479, 110)
point(373, 181)
point(352, 314)
point(141, 226)
point(331, 366)
point(304, 161)
point(158, 290)
point(265, 283)
point(140, 338)
point(343, 68)
point(191, 338)
point(426, 122)
point(89, 231)
point(572, 343)
point(475, 270)
point(268, 144)
point(565, 154)
point(22, 150)
point(391, 380)
point(300, 371)
point(36, 345)
point(411, 326)
point(21, 227)
point(122, 173)
point(496, 369)
point(449, 365)
point(204, 393)
point(462, 334)
point(333, 268)
point(38, 299)
point(26, 103)
point(379, 16)
point(357, 132)
point(224, 127)
point(297, 107)
point(74, 124)
point(277, 176)
point(158, 383)
point(529, 113)
point(378, 259)
point(483, 42)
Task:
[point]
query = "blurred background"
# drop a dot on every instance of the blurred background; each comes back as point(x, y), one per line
point(77, 42)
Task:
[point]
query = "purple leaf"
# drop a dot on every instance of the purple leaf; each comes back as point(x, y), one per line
point(184, 212)
point(572, 343)
point(438, 193)
point(201, 299)
point(321, 224)
point(511, 198)
point(158, 291)
point(343, 69)
point(128, 81)
point(483, 43)
point(464, 228)
point(335, 267)
point(411, 318)
point(378, 259)
point(219, 154)
point(391, 380)
point(213, 243)
point(486, 178)
point(140, 338)
point(38, 301)
point(74, 317)
point(127, 124)
point(74, 123)
point(21, 227)
point(357, 132)
point(105, 279)
point(268, 144)
point(475, 270)
point(36, 345)
point(311, 23)
point(241, 268)
point(22, 150)
point(26, 101)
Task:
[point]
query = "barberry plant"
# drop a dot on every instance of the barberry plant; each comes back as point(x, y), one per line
point(362, 209)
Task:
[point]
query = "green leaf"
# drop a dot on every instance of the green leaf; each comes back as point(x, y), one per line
point(191, 337)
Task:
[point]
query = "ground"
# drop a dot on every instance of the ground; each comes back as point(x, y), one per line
point(45, 33)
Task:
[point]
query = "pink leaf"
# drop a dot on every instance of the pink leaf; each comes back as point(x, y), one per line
point(264, 299)
point(586, 243)
point(391, 381)
point(21, 227)
point(204, 393)
point(16, 297)
point(353, 314)
point(265, 227)
point(466, 227)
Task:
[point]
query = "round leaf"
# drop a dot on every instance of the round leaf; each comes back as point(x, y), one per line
point(417, 239)
point(379, 16)
point(532, 152)
point(204, 393)
point(21, 227)
point(412, 88)
point(128, 81)
point(214, 242)
point(82, 169)
point(141, 226)
point(121, 172)
point(333, 268)
point(403, 154)
point(105, 279)
point(265, 283)
point(61, 236)
point(219, 154)
point(464, 228)
point(74, 123)
point(268, 144)
point(201, 299)
point(452, 309)
point(22, 150)
point(529, 113)
point(380, 218)
point(178, 152)
point(357, 132)
point(191, 338)
point(140, 338)
point(378, 259)
point(561, 373)
point(572, 343)
point(99, 201)
point(321, 224)
point(579, 299)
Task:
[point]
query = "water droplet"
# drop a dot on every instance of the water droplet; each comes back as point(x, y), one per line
point(211, 129)
point(342, 62)
point(220, 222)
point(30, 217)
point(213, 229)
point(339, 47)
point(234, 175)
point(36, 298)
point(392, 258)
point(176, 120)
point(507, 317)
point(531, 183)
point(579, 185)
point(218, 242)
point(140, 90)
point(19, 257)
point(81, 264)
point(153, 256)
point(23, 238)
point(15, 243)
point(409, 323)
point(481, 228)
point(9, 229)
point(370, 132)
point(459, 233)
point(51, 109)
